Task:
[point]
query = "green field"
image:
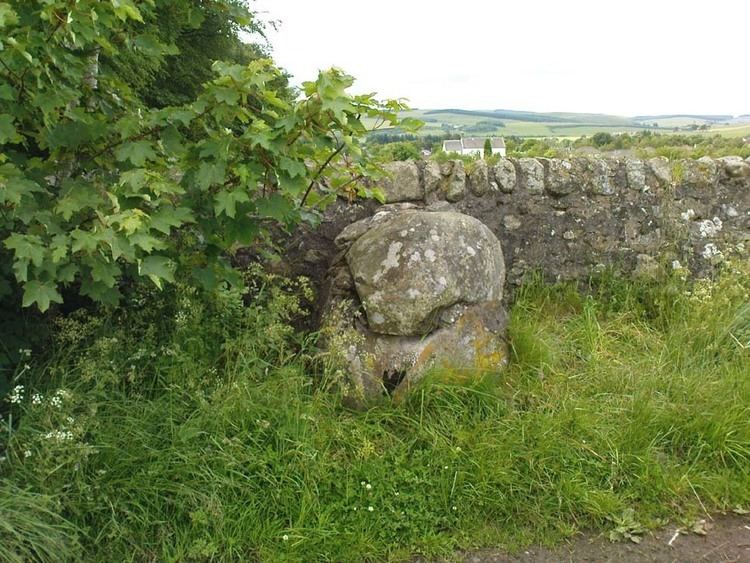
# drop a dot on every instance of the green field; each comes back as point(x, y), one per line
point(530, 124)
point(742, 130)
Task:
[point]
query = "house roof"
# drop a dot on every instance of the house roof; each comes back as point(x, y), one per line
point(452, 146)
point(472, 143)
point(478, 142)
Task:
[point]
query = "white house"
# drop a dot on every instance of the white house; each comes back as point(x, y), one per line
point(475, 145)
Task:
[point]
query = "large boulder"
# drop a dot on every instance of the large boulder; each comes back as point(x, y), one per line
point(426, 290)
point(413, 265)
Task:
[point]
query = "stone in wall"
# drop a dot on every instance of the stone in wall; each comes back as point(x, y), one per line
point(558, 177)
point(505, 175)
point(479, 178)
point(402, 182)
point(532, 175)
point(454, 182)
point(658, 172)
point(432, 181)
point(635, 173)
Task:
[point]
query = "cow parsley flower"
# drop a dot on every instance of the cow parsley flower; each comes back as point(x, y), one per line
point(16, 396)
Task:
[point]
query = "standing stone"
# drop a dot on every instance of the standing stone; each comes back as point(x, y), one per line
point(427, 292)
point(414, 264)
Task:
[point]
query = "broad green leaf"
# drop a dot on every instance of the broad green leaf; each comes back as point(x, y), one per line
point(150, 46)
point(226, 201)
point(7, 16)
point(157, 268)
point(206, 277)
point(72, 135)
point(100, 292)
point(78, 196)
point(168, 218)
point(137, 152)
point(103, 271)
point(130, 220)
point(293, 168)
point(6, 92)
point(26, 247)
point(59, 248)
point(275, 207)
point(210, 174)
point(41, 293)
point(125, 9)
point(226, 95)
point(8, 133)
point(84, 241)
point(146, 242)
point(13, 189)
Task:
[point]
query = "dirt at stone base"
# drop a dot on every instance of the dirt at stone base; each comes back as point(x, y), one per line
point(726, 539)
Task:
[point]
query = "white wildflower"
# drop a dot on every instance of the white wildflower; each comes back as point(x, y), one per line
point(370, 509)
point(37, 399)
point(27, 454)
point(676, 265)
point(285, 537)
point(59, 436)
point(16, 396)
point(368, 487)
point(56, 402)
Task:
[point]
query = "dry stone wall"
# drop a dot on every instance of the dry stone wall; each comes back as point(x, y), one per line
point(568, 218)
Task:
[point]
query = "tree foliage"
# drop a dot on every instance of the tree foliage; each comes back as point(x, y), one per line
point(487, 149)
point(95, 187)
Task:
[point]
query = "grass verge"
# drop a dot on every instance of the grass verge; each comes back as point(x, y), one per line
point(187, 427)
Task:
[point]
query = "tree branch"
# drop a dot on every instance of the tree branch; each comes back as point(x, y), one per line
point(320, 171)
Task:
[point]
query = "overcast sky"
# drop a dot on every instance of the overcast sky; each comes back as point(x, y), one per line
point(620, 57)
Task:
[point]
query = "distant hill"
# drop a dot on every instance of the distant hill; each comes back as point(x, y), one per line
point(685, 116)
point(521, 123)
point(456, 121)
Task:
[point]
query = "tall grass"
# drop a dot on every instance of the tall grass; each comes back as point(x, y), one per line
point(200, 432)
